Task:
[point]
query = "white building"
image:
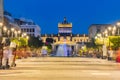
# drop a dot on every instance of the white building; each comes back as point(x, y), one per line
point(31, 30)
point(29, 27)
point(94, 29)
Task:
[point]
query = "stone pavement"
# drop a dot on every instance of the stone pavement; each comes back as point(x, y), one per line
point(62, 68)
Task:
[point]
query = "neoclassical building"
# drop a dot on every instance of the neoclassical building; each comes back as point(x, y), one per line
point(65, 33)
point(29, 27)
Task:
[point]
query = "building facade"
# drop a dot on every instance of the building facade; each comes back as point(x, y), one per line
point(9, 24)
point(65, 33)
point(29, 27)
point(65, 28)
point(95, 29)
point(1, 16)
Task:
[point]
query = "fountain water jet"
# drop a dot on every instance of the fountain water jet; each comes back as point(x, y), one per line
point(62, 50)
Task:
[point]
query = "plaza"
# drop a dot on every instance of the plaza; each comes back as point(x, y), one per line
point(62, 68)
point(59, 40)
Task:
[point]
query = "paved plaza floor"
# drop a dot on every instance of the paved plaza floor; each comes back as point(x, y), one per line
point(62, 68)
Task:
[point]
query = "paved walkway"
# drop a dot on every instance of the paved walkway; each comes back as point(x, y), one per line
point(55, 68)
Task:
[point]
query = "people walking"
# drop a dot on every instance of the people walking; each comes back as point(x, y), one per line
point(44, 52)
point(110, 54)
point(104, 50)
point(13, 58)
point(7, 54)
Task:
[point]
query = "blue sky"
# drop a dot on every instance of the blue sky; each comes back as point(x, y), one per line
point(82, 13)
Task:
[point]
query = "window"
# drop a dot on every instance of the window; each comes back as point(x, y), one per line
point(98, 30)
point(22, 30)
point(33, 30)
point(32, 34)
point(30, 30)
point(27, 30)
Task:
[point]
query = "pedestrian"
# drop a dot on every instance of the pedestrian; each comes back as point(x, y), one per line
point(44, 52)
point(104, 50)
point(7, 54)
point(13, 58)
point(68, 53)
point(110, 54)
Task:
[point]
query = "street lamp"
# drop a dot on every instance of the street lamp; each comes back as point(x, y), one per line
point(106, 32)
point(98, 37)
point(109, 30)
point(8, 33)
point(24, 35)
point(103, 36)
point(19, 32)
point(16, 33)
point(114, 30)
point(27, 37)
point(109, 34)
point(4, 30)
point(118, 25)
point(12, 29)
point(1, 24)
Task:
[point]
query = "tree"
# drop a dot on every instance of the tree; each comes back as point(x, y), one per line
point(115, 41)
point(35, 42)
point(20, 42)
point(49, 40)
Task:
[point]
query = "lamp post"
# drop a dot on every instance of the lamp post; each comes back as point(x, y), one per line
point(103, 36)
point(19, 32)
point(12, 29)
point(24, 34)
point(114, 30)
point(8, 33)
point(4, 31)
point(27, 37)
point(98, 38)
point(109, 34)
point(109, 31)
point(118, 27)
point(16, 33)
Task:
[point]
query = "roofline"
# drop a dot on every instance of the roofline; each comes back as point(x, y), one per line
point(99, 24)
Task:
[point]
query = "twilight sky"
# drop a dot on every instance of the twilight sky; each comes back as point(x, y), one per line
point(82, 13)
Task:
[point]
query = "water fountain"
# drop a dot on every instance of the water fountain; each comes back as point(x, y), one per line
point(62, 50)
